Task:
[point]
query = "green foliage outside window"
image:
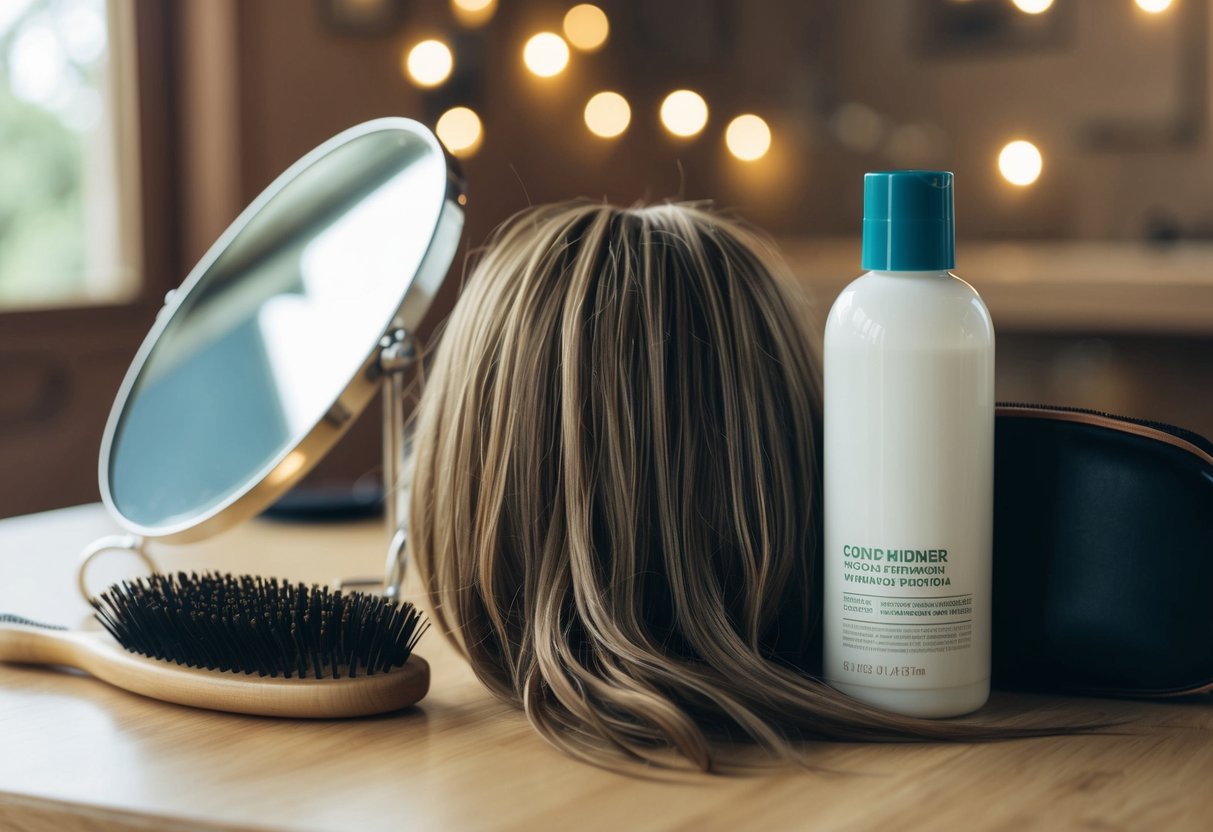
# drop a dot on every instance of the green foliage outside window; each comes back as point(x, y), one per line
point(52, 54)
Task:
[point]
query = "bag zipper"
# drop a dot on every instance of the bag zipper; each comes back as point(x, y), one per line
point(1189, 436)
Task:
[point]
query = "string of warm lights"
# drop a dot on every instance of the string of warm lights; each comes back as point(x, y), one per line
point(429, 63)
point(684, 113)
point(473, 13)
point(587, 28)
point(748, 137)
point(1042, 6)
point(460, 130)
point(1033, 6)
point(1020, 162)
point(607, 114)
point(546, 54)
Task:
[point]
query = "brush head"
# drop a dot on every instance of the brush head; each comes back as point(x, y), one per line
point(253, 625)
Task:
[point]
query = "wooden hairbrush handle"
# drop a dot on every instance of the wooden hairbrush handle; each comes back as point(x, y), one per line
point(97, 654)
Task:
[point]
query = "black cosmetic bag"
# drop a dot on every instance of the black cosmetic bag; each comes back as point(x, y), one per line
point(1103, 554)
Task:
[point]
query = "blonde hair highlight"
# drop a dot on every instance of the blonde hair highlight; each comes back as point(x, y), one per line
point(615, 498)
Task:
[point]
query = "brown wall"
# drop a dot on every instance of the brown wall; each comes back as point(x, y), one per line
point(300, 80)
point(1108, 62)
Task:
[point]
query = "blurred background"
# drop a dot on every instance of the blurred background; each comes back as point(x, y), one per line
point(133, 131)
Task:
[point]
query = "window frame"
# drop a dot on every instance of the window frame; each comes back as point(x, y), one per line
point(64, 342)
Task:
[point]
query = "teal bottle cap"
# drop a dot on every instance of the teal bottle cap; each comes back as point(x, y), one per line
point(908, 221)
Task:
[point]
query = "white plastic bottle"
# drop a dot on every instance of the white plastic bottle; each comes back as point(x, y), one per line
point(909, 463)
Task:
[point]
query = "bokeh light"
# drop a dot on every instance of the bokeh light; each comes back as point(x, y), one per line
point(1033, 6)
point(586, 26)
point(429, 63)
point(472, 13)
point(1020, 163)
point(1154, 6)
point(460, 130)
point(748, 137)
point(607, 114)
point(684, 113)
point(546, 54)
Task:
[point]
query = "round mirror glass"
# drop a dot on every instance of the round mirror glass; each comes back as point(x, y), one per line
point(267, 352)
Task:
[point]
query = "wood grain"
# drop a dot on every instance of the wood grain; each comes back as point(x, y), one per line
point(93, 756)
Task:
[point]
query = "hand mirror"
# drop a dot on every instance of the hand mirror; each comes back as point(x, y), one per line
point(279, 338)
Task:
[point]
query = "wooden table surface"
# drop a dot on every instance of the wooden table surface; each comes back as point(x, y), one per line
point(77, 754)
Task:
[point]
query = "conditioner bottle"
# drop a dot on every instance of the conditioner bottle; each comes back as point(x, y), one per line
point(909, 457)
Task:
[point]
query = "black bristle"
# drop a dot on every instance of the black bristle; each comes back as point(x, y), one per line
point(253, 625)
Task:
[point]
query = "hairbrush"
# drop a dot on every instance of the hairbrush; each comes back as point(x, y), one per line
point(243, 644)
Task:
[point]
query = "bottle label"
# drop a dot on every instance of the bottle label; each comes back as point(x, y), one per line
point(888, 628)
point(909, 498)
point(878, 616)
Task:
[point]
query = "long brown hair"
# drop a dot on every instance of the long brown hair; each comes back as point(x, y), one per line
point(616, 497)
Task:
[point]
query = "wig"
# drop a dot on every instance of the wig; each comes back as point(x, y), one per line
point(616, 491)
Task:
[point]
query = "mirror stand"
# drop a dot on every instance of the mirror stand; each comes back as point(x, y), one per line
point(397, 353)
point(132, 543)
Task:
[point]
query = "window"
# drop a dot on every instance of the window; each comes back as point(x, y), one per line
point(88, 227)
point(69, 156)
